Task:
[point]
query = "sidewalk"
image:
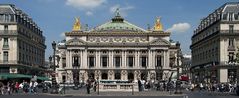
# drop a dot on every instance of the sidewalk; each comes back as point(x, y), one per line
point(82, 92)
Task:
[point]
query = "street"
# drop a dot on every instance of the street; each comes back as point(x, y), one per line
point(144, 94)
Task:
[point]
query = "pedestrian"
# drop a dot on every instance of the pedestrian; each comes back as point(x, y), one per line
point(88, 86)
point(35, 87)
point(139, 85)
point(9, 88)
point(17, 86)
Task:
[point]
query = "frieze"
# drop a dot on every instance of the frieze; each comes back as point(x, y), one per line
point(159, 42)
point(117, 39)
point(75, 41)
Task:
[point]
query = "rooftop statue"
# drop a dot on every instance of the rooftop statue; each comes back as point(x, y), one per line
point(77, 25)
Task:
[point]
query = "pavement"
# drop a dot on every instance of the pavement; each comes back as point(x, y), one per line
point(144, 94)
point(82, 92)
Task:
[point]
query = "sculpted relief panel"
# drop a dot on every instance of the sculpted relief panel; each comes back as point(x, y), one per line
point(118, 39)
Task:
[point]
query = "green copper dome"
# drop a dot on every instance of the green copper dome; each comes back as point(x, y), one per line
point(118, 24)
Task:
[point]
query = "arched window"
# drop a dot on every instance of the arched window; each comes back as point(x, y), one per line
point(92, 76)
point(117, 76)
point(104, 76)
point(130, 76)
point(143, 76)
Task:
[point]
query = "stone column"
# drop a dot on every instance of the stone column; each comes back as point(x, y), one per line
point(124, 61)
point(153, 59)
point(97, 57)
point(136, 63)
point(81, 59)
point(112, 59)
point(70, 65)
point(85, 59)
point(149, 59)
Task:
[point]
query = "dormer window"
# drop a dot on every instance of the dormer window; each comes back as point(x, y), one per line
point(224, 17)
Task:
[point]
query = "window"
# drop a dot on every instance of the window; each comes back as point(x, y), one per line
point(1, 17)
point(104, 61)
point(130, 61)
point(5, 27)
point(158, 61)
point(63, 79)
point(5, 43)
point(12, 18)
point(231, 42)
point(224, 17)
point(5, 56)
point(91, 62)
point(236, 16)
point(117, 61)
point(63, 62)
point(231, 28)
point(231, 57)
point(104, 76)
point(76, 62)
point(117, 76)
point(7, 18)
point(143, 61)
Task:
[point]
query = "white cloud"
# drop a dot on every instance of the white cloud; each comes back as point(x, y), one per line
point(85, 4)
point(123, 10)
point(89, 13)
point(179, 27)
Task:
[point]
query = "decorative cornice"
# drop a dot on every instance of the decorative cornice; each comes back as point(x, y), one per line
point(80, 33)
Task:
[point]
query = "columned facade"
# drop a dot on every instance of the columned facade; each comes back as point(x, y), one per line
point(116, 50)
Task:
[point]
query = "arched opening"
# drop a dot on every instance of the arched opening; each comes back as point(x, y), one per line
point(92, 75)
point(143, 76)
point(117, 76)
point(130, 76)
point(104, 76)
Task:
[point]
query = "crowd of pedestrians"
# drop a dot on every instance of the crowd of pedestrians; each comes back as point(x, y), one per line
point(15, 87)
point(214, 87)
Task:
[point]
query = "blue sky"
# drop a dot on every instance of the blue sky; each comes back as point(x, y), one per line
point(57, 16)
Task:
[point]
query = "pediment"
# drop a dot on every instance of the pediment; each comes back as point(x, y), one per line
point(159, 42)
point(75, 41)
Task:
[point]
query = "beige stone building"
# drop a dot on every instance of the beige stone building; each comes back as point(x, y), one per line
point(214, 45)
point(22, 44)
point(116, 50)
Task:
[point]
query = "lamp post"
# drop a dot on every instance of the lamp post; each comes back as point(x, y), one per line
point(54, 83)
point(98, 85)
point(178, 81)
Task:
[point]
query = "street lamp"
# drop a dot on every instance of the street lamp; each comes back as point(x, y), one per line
point(178, 81)
point(98, 85)
point(54, 83)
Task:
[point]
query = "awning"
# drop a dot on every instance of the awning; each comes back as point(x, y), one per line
point(12, 76)
point(4, 76)
point(43, 78)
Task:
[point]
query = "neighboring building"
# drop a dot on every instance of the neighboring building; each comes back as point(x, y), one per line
point(186, 65)
point(22, 44)
point(214, 45)
point(116, 50)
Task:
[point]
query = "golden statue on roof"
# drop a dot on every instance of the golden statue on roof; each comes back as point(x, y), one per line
point(158, 26)
point(77, 25)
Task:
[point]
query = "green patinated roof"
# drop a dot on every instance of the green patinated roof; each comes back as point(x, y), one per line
point(118, 24)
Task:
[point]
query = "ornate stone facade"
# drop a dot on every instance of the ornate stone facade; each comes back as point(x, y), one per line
point(214, 45)
point(116, 50)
